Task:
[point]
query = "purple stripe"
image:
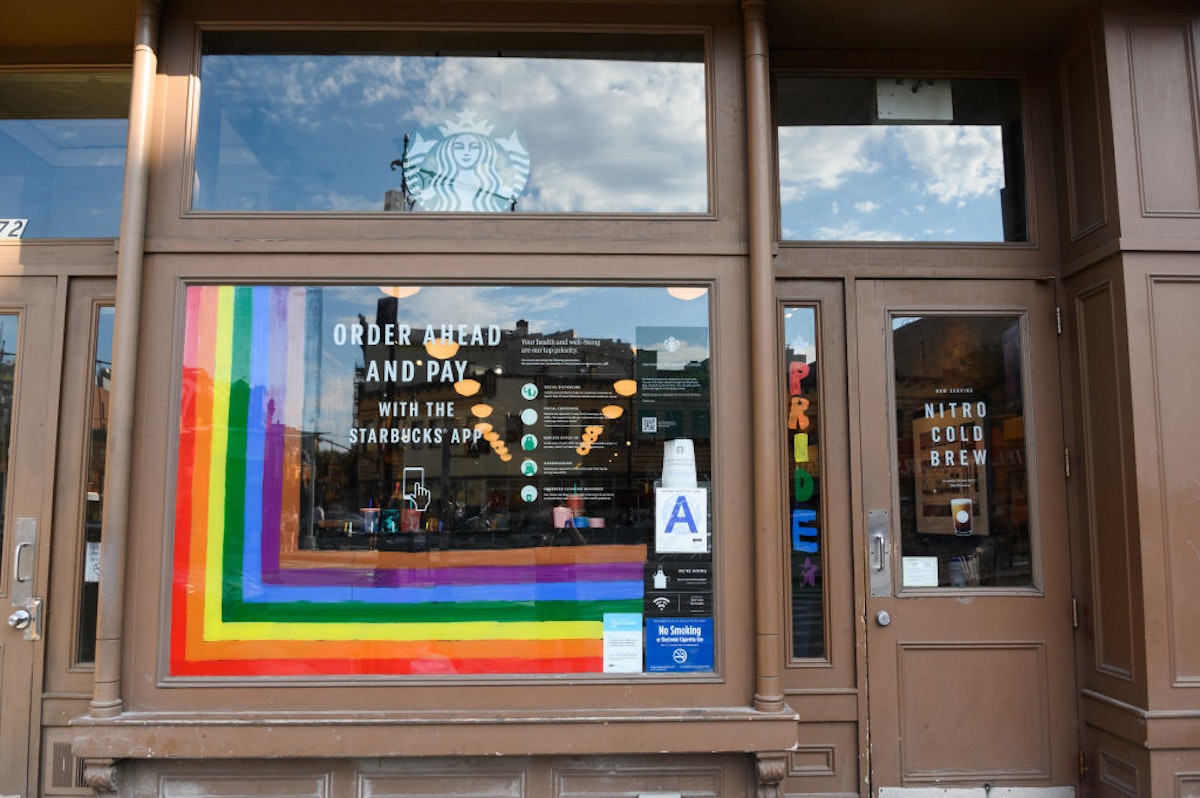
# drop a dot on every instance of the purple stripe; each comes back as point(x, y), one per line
point(276, 393)
point(473, 575)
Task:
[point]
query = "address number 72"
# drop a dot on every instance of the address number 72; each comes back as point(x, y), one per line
point(13, 228)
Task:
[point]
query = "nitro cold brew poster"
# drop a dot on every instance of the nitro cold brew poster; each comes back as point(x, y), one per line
point(950, 457)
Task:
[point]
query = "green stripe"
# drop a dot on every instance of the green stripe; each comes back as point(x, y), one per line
point(235, 453)
point(234, 609)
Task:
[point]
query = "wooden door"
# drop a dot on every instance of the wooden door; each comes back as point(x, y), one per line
point(26, 422)
point(968, 609)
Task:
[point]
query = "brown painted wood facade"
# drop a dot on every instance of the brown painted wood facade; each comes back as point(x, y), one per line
point(1091, 677)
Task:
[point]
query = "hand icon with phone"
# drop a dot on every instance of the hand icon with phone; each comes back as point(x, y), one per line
point(416, 495)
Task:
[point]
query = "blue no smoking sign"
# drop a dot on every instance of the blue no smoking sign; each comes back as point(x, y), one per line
point(679, 644)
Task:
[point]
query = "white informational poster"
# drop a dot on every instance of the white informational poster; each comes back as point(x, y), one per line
point(91, 563)
point(681, 521)
point(622, 642)
point(920, 571)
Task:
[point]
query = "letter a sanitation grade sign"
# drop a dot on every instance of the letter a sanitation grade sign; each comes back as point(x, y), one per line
point(681, 521)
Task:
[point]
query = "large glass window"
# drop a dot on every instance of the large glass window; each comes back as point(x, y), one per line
point(9, 329)
point(901, 159)
point(62, 154)
point(960, 443)
point(443, 480)
point(803, 436)
point(89, 593)
point(428, 122)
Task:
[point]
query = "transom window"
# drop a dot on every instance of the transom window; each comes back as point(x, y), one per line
point(901, 159)
point(452, 122)
point(62, 154)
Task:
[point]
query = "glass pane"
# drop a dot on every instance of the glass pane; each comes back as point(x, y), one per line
point(866, 159)
point(804, 497)
point(443, 480)
point(961, 446)
point(94, 496)
point(62, 154)
point(9, 325)
point(439, 122)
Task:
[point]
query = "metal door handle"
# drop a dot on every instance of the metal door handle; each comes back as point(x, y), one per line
point(877, 554)
point(883, 617)
point(17, 561)
point(20, 619)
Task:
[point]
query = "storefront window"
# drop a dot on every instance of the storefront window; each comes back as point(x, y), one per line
point(62, 154)
point(428, 122)
point(960, 420)
point(901, 159)
point(443, 480)
point(9, 326)
point(94, 498)
point(803, 433)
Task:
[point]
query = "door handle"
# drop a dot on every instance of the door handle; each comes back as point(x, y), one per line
point(879, 531)
point(25, 544)
point(27, 614)
point(28, 619)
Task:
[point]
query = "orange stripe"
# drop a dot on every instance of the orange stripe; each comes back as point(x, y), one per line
point(384, 649)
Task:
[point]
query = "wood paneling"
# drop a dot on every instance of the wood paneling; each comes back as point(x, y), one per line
point(630, 781)
point(824, 761)
point(973, 710)
point(1176, 350)
point(440, 783)
point(1162, 71)
point(1087, 199)
point(256, 784)
point(1117, 775)
point(1104, 469)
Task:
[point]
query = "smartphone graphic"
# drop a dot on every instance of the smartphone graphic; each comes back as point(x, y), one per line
point(412, 478)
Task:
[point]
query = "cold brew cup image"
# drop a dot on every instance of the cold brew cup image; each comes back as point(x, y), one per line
point(960, 511)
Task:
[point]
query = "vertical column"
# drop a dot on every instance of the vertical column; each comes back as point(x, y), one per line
point(106, 697)
point(768, 695)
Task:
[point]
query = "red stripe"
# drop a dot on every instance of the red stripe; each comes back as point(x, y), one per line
point(384, 667)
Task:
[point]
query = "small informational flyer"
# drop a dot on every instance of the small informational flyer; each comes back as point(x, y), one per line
point(681, 520)
point(679, 644)
point(91, 564)
point(920, 571)
point(622, 642)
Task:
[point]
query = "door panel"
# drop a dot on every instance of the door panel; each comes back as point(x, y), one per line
point(26, 319)
point(969, 639)
point(821, 657)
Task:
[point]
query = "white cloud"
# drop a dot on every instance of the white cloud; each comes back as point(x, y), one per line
point(604, 135)
point(824, 157)
point(962, 162)
point(851, 231)
point(867, 206)
point(802, 346)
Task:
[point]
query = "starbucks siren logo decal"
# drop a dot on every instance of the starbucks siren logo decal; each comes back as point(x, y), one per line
point(466, 168)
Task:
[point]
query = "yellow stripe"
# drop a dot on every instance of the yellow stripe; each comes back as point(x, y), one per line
point(222, 377)
point(475, 630)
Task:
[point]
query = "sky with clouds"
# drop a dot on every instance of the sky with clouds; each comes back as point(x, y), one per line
point(299, 132)
point(891, 182)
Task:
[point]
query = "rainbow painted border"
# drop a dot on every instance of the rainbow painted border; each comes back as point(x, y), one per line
point(246, 601)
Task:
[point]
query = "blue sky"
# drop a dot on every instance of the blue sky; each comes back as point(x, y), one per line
point(891, 183)
point(304, 132)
